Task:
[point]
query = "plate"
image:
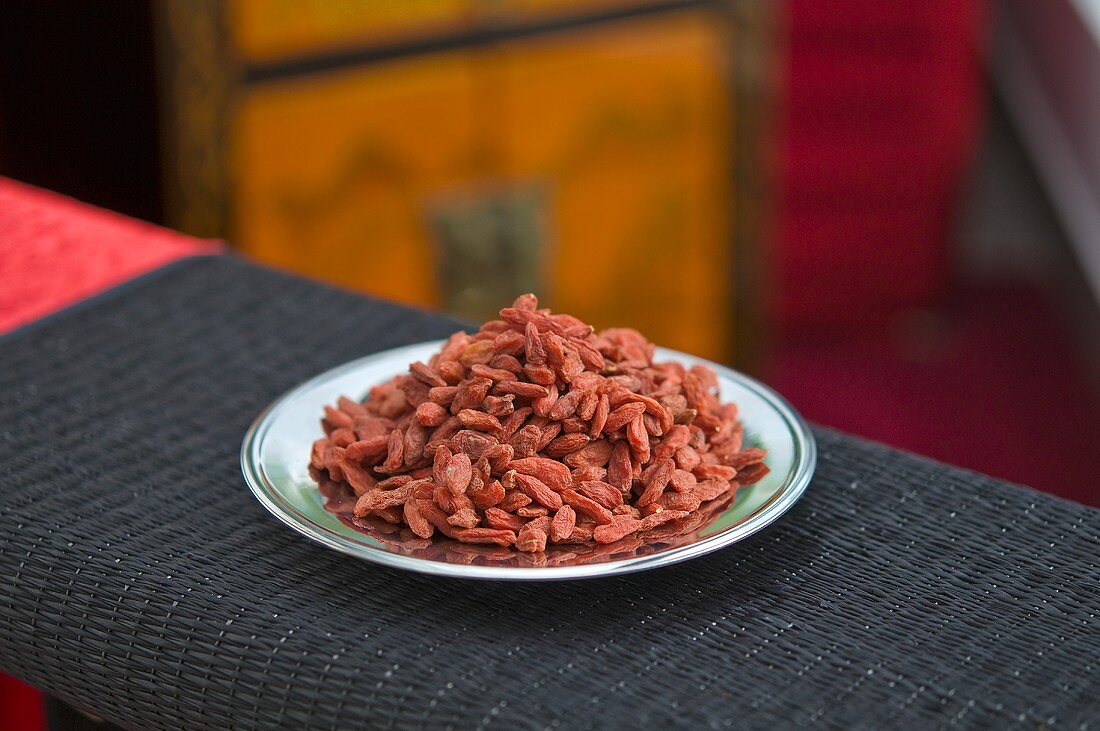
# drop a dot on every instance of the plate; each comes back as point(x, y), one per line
point(275, 457)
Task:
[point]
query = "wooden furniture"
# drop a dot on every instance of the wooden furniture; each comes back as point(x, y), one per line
point(451, 154)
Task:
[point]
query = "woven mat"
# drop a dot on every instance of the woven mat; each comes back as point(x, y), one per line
point(142, 582)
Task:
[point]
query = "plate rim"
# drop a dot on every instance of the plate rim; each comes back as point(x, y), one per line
point(805, 464)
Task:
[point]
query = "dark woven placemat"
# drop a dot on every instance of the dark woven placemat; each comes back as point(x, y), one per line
point(142, 582)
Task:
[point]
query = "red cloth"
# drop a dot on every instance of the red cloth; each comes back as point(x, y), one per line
point(55, 251)
point(883, 104)
point(993, 382)
point(20, 706)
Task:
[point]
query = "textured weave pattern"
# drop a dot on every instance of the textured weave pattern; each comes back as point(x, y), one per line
point(141, 581)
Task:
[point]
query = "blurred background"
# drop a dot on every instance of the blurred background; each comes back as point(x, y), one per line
point(892, 214)
point(888, 211)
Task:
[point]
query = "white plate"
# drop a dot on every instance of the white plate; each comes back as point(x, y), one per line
point(275, 459)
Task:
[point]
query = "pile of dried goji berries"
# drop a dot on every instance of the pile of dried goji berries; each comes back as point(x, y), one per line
point(536, 430)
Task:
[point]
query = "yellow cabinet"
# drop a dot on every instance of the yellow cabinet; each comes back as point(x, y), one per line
point(495, 152)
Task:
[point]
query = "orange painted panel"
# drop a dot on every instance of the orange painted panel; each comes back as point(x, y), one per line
point(265, 30)
point(629, 128)
point(591, 165)
point(540, 9)
point(332, 173)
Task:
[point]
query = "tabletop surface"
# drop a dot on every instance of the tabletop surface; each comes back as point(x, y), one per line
point(140, 580)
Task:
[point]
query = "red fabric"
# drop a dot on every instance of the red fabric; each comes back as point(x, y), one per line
point(55, 251)
point(20, 706)
point(992, 382)
point(883, 103)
